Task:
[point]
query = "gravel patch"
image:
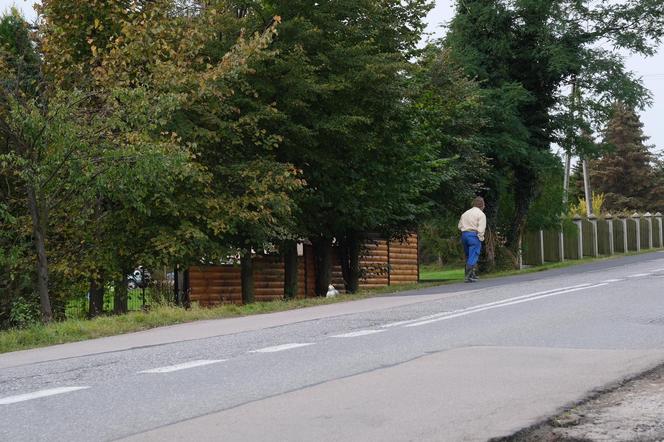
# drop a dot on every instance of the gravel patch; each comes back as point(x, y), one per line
point(634, 411)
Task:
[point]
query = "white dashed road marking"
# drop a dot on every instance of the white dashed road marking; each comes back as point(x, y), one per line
point(639, 275)
point(608, 281)
point(184, 366)
point(277, 348)
point(358, 333)
point(38, 394)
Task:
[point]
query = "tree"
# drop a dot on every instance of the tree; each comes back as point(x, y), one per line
point(625, 174)
point(533, 50)
point(162, 58)
point(19, 64)
point(449, 115)
point(339, 86)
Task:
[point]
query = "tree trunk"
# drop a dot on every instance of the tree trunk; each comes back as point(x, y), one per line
point(488, 258)
point(121, 295)
point(524, 193)
point(290, 269)
point(96, 304)
point(176, 285)
point(247, 277)
point(38, 217)
point(322, 264)
point(349, 256)
point(96, 292)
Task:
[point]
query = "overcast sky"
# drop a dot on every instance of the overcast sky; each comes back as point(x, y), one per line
point(651, 69)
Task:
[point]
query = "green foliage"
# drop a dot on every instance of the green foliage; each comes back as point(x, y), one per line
point(338, 85)
point(439, 242)
point(546, 210)
point(23, 313)
point(450, 112)
point(528, 53)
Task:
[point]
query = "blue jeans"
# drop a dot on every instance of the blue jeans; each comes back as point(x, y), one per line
point(472, 246)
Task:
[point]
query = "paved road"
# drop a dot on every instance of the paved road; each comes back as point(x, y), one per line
point(462, 362)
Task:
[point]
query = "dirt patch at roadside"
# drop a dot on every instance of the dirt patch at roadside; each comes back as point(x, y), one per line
point(634, 411)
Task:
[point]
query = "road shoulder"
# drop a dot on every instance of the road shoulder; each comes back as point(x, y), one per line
point(461, 394)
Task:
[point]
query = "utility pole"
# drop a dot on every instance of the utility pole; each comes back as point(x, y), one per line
point(574, 105)
point(586, 188)
point(569, 149)
point(568, 166)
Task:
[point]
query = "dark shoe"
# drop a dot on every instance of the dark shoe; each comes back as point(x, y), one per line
point(472, 275)
point(466, 276)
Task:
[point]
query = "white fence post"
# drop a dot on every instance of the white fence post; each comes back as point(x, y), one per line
point(658, 217)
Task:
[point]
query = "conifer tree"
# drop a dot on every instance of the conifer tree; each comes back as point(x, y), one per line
point(625, 174)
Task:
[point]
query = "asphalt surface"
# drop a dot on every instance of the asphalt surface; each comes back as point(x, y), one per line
point(459, 362)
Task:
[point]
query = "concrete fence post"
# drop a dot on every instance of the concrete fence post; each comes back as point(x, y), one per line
point(648, 218)
point(561, 245)
point(637, 222)
point(623, 221)
point(541, 241)
point(593, 223)
point(578, 221)
point(609, 224)
point(658, 218)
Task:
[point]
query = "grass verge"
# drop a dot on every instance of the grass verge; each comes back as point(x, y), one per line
point(73, 330)
point(452, 274)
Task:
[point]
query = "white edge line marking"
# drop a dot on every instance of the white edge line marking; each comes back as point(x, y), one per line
point(639, 275)
point(280, 347)
point(477, 310)
point(184, 366)
point(438, 315)
point(357, 333)
point(38, 394)
point(613, 280)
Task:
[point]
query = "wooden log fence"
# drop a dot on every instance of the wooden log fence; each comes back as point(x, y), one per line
point(592, 237)
point(382, 263)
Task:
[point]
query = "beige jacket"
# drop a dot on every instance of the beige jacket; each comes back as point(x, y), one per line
point(473, 220)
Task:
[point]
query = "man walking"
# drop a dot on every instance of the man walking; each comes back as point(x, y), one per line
point(473, 225)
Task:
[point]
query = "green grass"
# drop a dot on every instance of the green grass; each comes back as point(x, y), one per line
point(73, 330)
point(447, 274)
point(441, 274)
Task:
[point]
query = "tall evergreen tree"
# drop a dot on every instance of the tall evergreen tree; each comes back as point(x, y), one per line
point(625, 174)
